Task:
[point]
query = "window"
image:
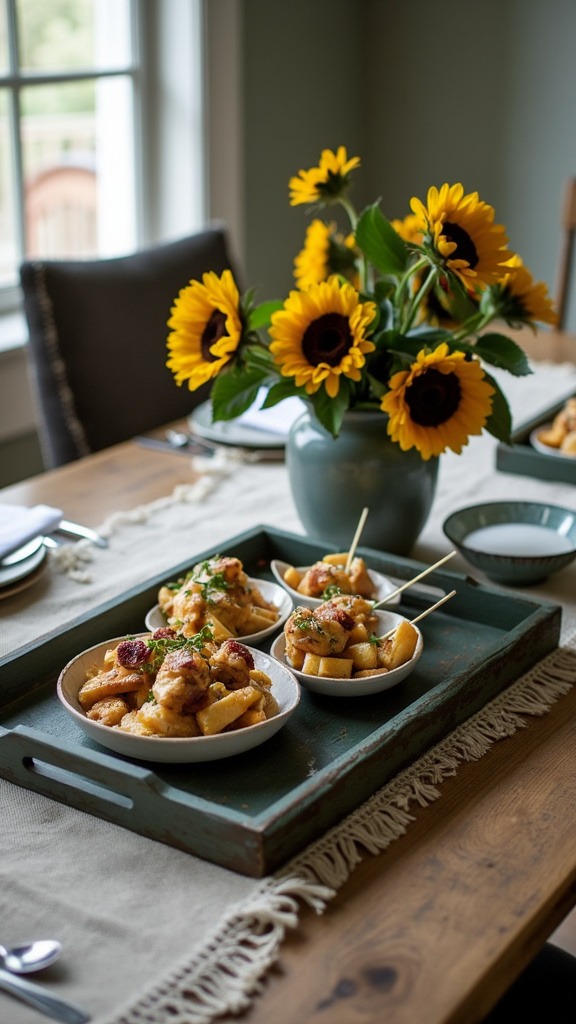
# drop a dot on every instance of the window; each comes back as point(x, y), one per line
point(87, 102)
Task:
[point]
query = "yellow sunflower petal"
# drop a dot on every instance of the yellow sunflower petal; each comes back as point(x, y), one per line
point(206, 329)
point(462, 231)
point(320, 335)
point(438, 403)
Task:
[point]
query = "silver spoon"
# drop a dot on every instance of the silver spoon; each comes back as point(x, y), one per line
point(33, 957)
point(30, 956)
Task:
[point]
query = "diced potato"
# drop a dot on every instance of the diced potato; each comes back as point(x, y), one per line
point(164, 721)
point(260, 679)
point(336, 668)
point(136, 698)
point(370, 672)
point(364, 655)
point(295, 657)
point(258, 620)
point(220, 632)
point(292, 577)
point(398, 648)
point(250, 717)
point(339, 559)
point(130, 723)
point(271, 613)
point(311, 665)
point(107, 684)
point(217, 716)
point(359, 634)
point(109, 711)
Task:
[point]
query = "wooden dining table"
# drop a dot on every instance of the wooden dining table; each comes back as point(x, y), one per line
point(435, 927)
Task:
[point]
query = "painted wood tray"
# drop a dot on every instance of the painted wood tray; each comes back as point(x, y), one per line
point(251, 813)
point(521, 457)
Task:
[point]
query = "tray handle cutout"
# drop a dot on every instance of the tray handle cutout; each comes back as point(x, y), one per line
point(29, 759)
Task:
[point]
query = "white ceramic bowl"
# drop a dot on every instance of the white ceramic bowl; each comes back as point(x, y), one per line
point(515, 543)
point(155, 619)
point(382, 584)
point(177, 750)
point(364, 686)
point(546, 449)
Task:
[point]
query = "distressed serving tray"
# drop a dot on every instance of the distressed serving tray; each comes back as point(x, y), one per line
point(251, 813)
point(520, 457)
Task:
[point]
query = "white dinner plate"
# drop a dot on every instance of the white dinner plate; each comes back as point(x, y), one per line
point(382, 584)
point(278, 596)
point(546, 449)
point(177, 750)
point(236, 432)
point(364, 686)
point(21, 563)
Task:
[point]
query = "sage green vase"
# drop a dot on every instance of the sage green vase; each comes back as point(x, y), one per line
point(333, 479)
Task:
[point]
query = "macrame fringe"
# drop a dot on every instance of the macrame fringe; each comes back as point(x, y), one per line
point(228, 972)
point(72, 559)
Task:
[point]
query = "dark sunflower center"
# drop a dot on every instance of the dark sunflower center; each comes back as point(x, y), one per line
point(433, 398)
point(214, 330)
point(465, 248)
point(327, 339)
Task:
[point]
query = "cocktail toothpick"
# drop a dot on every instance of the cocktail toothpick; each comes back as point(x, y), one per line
point(422, 614)
point(415, 579)
point(354, 544)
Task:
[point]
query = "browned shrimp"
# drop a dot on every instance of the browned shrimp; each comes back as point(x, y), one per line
point(322, 575)
point(361, 610)
point(232, 664)
point(306, 631)
point(182, 681)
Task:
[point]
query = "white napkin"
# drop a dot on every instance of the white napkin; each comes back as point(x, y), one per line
point(276, 420)
point(19, 524)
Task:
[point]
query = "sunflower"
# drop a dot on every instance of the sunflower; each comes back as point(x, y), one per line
point(206, 329)
point(320, 335)
point(325, 252)
point(520, 298)
point(409, 228)
point(437, 403)
point(461, 230)
point(326, 183)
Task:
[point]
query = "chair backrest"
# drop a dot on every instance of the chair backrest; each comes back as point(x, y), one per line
point(563, 273)
point(97, 342)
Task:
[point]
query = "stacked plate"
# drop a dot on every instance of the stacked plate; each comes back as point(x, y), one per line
point(22, 567)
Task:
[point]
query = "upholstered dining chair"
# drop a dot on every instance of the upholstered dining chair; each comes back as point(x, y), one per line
point(97, 342)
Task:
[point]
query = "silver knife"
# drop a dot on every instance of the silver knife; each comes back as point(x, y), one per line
point(42, 999)
point(69, 529)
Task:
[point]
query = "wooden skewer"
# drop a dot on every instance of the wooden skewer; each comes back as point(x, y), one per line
point(354, 544)
point(415, 580)
point(422, 614)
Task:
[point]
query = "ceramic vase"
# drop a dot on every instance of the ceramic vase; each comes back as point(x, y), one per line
point(333, 479)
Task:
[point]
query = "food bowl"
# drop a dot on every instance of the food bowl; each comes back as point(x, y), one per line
point(156, 619)
point(177, 750)
point(365, 685)
point(547, 449)
point(515, 543)
point(382, 584)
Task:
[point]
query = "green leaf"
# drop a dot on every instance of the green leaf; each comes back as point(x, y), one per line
point(260, 315)
point(499, 350)
point(284, 388)
point(234, 392)
point(499, 423)
point(378, 240)
point(330, 411)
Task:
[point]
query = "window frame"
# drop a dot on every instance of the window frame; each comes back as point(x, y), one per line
point(158, 31)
